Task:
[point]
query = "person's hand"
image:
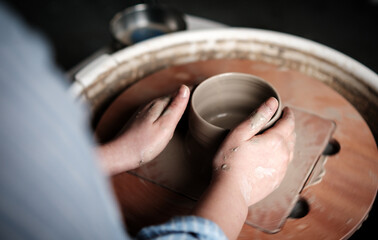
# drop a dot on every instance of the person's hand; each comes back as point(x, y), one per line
point(146, 135)
point(256, 163)
point(247, 167)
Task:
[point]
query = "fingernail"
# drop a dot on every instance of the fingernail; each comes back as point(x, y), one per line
point(272, 104)
point(184, 91)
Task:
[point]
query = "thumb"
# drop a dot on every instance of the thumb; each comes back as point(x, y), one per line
point(257, 120)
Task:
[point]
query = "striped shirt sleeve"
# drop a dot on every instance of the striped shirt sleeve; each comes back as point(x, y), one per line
point(183, 228)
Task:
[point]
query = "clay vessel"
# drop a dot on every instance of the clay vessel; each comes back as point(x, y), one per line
point(223, 101)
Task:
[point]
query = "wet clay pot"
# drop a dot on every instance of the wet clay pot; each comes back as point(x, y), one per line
point(219, 104)
point(223, 101)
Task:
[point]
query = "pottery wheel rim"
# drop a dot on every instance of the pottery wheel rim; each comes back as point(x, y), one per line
point(108, 75)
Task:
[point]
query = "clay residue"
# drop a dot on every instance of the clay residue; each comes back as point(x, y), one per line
point(234, 149)
point(141, 162)
point(257, 121)
point(261, 172)
point(166, 112)
point(183, 76)
point(228, 155)
point(246, 189)
point(225, 167)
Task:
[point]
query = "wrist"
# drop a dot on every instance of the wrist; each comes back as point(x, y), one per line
point(115, 158)
point(224, 204)
point(239, 184)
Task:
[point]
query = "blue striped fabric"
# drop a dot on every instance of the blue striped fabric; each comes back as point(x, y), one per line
point(51, 186)
point(183, 228)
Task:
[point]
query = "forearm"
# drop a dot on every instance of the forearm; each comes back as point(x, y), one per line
point(115, 159)
point(224, 204)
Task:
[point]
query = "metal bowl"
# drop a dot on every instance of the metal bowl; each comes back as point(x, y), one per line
point(144, 21)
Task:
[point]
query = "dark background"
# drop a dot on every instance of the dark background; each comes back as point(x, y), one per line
point(78, 28)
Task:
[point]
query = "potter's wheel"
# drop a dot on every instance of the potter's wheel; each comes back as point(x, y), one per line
point(308, 76)
point(163, 188)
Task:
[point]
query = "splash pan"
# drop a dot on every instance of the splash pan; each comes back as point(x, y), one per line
point(170, 185)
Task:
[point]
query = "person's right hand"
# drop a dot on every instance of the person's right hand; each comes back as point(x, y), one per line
point(256, 163)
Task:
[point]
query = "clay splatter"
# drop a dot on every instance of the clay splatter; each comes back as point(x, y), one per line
point(141, 162)
point(166, 112)
point(262, 172)
point(257, 121)
point(225, 167)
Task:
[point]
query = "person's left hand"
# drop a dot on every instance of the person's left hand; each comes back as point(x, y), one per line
point(146, 134)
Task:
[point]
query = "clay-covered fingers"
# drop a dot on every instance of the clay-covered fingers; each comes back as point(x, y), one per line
point(257, 120)
point(284, 129)
point(284, 126)
point(154, 109)
point(174, 111)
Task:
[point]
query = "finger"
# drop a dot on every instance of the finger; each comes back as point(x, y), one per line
point(285, 126)
point(176, 108)
point(156, 108)
point(140, 113)
point(251, 126)
point(291, 145)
